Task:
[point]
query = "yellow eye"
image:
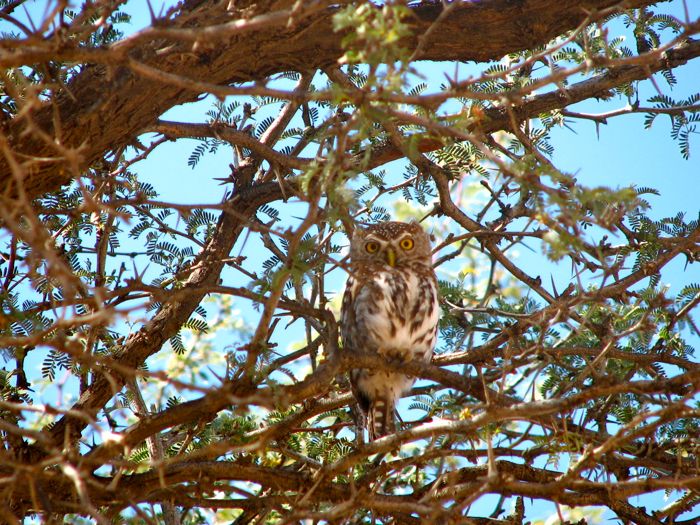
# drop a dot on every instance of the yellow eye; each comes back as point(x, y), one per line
point(406, 244)
point(371, 247)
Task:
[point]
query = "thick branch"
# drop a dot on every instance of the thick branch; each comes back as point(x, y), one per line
point(107, 104)
point(229, 134)
point(496, 119)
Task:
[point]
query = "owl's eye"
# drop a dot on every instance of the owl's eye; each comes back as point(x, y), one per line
point(371, 247)
point(406, 244)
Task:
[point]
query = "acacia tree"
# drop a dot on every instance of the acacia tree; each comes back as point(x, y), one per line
point(134, 390)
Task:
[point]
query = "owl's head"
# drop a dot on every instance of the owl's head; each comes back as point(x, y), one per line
point(392, 243)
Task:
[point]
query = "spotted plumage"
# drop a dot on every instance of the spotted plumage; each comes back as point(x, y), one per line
point(390, 307)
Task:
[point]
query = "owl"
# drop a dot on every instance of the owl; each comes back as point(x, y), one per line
point(390, 307)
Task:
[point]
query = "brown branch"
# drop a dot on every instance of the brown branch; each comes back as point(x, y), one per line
point(486, 351)
point(173, 314)
point(541, 483)
point(106, 104)
point(497, 119)
point(229, 134)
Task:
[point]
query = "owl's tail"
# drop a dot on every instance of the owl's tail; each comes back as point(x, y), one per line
point(380, 418)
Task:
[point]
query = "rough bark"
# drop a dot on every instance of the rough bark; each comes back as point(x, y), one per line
point(106, 105)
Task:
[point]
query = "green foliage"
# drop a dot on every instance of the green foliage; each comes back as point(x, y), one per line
point(107, 33)
point(683, 115)
point(374, 33)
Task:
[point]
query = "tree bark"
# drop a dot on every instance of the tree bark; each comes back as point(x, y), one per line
point(106, 105)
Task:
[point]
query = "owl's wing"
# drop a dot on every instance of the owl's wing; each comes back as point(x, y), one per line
point(347, 315)
point(348, 330)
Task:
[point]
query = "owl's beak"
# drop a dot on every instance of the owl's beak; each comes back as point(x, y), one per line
point(390, 257)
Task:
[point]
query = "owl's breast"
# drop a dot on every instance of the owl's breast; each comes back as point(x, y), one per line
point(396, 313)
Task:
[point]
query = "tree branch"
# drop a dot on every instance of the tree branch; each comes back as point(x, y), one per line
point(106, 105)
